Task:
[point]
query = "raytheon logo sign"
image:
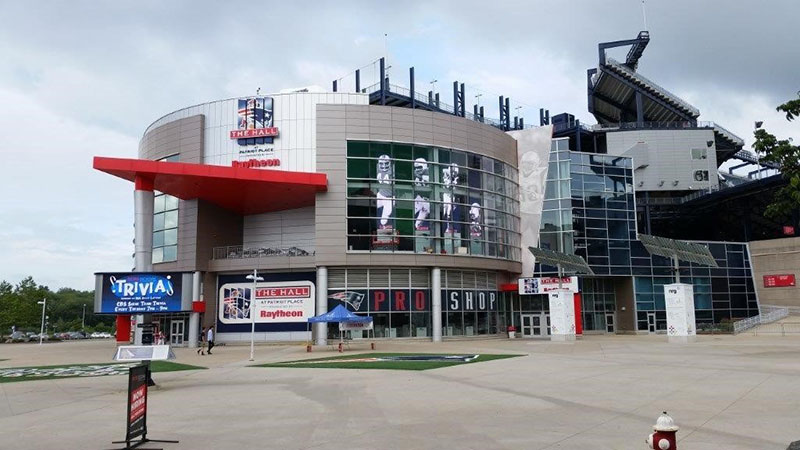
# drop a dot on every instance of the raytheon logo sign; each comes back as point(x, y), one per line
point(254, 120)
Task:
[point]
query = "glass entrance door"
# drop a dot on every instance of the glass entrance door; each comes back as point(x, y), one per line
point(527, 325)
point(535, 325)
point(176, 331)
point(651, 322)
point(610, 323)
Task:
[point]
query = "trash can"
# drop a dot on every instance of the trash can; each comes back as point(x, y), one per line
point(512, 331)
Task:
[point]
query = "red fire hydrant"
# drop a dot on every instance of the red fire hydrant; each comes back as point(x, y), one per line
point(664, 436)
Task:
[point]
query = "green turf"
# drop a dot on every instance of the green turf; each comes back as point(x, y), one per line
point(381, 365)
point(155, 366)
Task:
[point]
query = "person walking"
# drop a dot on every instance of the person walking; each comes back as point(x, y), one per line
point(201, 347)
point(210, 338)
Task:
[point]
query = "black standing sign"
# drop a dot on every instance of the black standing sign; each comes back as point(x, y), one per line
point(137, 402)
point(137, 409)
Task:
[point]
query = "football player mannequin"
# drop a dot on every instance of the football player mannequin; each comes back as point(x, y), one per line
point(422, 206)
point(449, 180)
point(384, 194)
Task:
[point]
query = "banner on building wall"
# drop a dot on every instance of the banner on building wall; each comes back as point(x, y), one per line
point(533, 153)
point(468, 300)
point(275, 302)
point(543, 285)
point(381, 300)
point(142, 292)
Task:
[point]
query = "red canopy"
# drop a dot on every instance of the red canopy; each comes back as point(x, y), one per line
point(239, 189)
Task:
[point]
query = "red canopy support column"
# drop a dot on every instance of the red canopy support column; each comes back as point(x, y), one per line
point(143, 244)
point(123, 329)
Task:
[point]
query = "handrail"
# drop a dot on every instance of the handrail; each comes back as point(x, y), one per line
point(773, 315)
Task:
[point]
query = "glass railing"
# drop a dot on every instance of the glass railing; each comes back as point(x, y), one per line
point(239, 252)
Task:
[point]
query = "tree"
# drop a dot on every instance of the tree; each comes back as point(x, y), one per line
point(781, 151)
point(19, 306)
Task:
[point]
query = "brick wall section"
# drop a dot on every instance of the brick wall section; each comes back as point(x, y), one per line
point(338, 123)
point(776, 257)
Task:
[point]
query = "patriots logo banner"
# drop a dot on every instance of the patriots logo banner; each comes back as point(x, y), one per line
point(353, 299)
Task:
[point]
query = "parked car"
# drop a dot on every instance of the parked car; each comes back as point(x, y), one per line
point(77, 335)
point(64, 336)
point(96, 335)
point(19, 336)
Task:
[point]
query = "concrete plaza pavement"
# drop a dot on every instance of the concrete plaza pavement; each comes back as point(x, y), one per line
point(601, 392)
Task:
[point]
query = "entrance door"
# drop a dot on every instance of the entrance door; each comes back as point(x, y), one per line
point(610, 325)
point(176, 331)
point(651, 322)
point(535, 325)
point(527, 325)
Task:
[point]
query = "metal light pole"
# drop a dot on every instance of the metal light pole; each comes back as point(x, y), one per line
point(83, 318)
point(254, 276)
point(41, 332)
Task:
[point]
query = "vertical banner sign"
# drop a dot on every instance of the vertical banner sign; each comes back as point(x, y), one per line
point(137, 402)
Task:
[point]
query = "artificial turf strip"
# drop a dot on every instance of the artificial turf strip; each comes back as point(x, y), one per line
point(155, 366)
point(382, 365)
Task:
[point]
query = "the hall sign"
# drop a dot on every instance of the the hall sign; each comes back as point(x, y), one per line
point(285, 301)
point(786, 280)
point(142, 292)
point(543, 285)
point(254, 119)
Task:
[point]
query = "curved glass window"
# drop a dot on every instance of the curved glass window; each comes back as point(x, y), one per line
point(423, 199)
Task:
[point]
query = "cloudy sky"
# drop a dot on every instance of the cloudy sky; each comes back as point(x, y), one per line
point(79, 79)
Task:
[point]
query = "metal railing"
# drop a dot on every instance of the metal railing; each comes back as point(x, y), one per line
point(767, 316)
point(782, 329)
point(239, 252)
point(442, 106)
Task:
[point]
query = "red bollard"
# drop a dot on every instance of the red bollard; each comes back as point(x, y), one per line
point(664, 437)
point(340, 347)
point(372, 346)
point(308, 348)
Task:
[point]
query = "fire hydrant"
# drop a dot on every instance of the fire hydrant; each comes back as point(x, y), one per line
point(664, 436)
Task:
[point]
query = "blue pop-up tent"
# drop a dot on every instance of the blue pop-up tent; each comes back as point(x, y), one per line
point(339, 314)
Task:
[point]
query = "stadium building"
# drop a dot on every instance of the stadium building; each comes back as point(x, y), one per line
point(419, 213)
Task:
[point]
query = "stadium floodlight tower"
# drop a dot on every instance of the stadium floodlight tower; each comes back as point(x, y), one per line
point(562, 302)
point(679, 297)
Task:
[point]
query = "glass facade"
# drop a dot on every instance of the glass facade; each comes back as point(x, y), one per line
point(421, 199)
point(720, 294)
point(165, 224)
point(399, 301)
point(589, 208)
point(589, 211)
